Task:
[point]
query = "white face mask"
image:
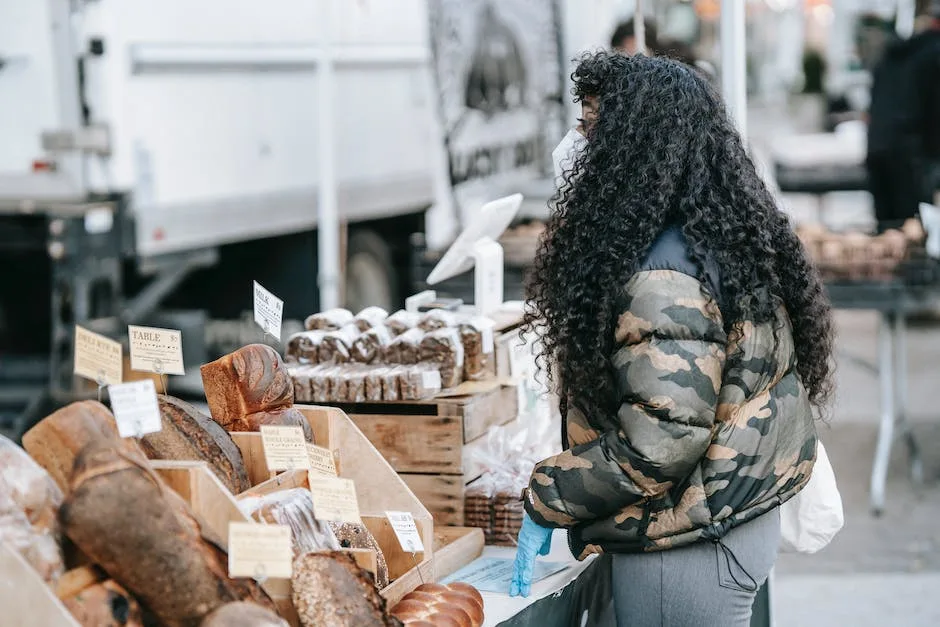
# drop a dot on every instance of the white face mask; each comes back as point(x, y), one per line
point(566, 152)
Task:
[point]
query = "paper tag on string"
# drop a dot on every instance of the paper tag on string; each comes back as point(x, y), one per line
point(285, 447)
point(97, 357)
point(403, 524)
point(135, 408)
point(269, 310)
point(156, 350)
point(321, 460)
point(334, 498)
point(259, 551)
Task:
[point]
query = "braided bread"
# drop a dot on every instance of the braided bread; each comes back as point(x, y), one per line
point(437, 605)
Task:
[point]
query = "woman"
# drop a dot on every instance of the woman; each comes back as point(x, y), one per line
point(689, 338)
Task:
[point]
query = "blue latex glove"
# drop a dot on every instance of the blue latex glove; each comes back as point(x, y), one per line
point(534, 540)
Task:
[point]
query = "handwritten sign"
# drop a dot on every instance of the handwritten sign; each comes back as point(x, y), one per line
point(334, 498)
point(493, 574)
point(269, 310)
point(284, 447)
point(135, 408)
point(403, 524)
point(259, 551)
point(321, 460)
point(156, 350)
point(97, 358)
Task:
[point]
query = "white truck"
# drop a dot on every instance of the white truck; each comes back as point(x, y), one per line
point(166, 154)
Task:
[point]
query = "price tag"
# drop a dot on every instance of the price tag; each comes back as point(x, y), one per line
point(135, 408)
point(269, 310)
point(431, 379)
point(321, 460)
point(156, 350)
point(403, 524)
point(259, 551)
point(97, 358)
point(334, 498)
point(284, 447)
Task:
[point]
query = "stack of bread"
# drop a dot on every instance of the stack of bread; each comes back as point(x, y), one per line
point(87, 511)
point(857, 256)
point(373, 356)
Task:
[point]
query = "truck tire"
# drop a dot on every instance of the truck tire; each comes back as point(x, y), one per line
point(371, 279)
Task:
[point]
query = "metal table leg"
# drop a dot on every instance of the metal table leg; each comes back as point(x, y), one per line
point(886, 374)
point(900, 402)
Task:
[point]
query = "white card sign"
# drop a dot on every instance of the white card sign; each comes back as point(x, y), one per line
point(259, 551)
point(284, 447)
point(269, 310)
point(156, 350)
point(97, 357)
point(403, 524)
point(135, 408)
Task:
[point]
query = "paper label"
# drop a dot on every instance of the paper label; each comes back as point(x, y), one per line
point(431, 379)
point(284, 447)
point(135, 408)
point(494, 574)
point(488, 276)
point(156, 350)
point(403, 524)
point(97, 358)
point(485, 325)
point(334, 499)
point(259, 551)
point(269, 310)
point(321, 460)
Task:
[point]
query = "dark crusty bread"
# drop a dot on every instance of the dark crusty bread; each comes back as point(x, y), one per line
point(56, 439)
point(125, 518)
point(331, 590)
point(188, 434)
point(252, 379)
point(243, 614)
point(285, 416)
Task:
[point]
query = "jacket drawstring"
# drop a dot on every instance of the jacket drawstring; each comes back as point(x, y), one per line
point(729, 557)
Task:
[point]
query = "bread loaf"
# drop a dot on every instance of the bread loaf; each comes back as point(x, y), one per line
point(371, 345)
point(438, 605)
point(304, 346)
point(243, 614)
point(336, 346)
point(330, 320)
point(370, 318)
point(123, 516)
point(104, 604)
point(285, 417)
point(437, 319)
point(358, 536)
point(294, 508)
point(187, 434)
point(402, 321)
point(331, 590)
point(38, 547)
point(406, 348)
point(445, 349)
point(250, 380)
point(56, 440)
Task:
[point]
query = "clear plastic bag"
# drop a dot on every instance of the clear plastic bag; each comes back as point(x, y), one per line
point(373, 383)
point(437, 319)
point(391, 384)
point(406, 348)
point(370, 318)
point(331, 320)
point(444, 349)
point(304, 347)
point(476, 335)
point(300, 375)
point(402, 321)
point(336, 346)
point(419, 382)
point(371, 345)
point(356, 384)
point(294, 508)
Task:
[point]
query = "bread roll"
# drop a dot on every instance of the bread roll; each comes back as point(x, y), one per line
point(331, 590)
point(458, 604)
point(56, 440)
point(187, 434)
point(243, 614)
point(286, 417)
point(125, 518)
point(250, 380)
point(104, 604)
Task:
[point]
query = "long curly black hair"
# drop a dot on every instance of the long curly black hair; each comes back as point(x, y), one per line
point(662, 151)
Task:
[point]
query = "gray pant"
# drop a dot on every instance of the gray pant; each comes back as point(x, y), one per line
point(706, 584)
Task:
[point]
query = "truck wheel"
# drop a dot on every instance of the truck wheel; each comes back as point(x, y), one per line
point(371, 279)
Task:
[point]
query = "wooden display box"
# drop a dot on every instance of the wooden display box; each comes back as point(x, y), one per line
point(429, 442)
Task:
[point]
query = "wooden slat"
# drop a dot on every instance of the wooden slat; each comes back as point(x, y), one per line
point(441, 494)
point(429, 444)
point(29, 601)
point(398, 561)
point(455, 547)
point(485, 411)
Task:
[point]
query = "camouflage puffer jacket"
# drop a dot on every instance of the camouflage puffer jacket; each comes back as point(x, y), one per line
point(709, 435)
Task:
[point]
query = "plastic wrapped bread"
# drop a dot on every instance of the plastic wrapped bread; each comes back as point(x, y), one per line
point(300, 375)
point(445, 349)
point(320, 384)
point(304, 347)
point(356, 384)
point(336, 346)
point(406, 348)
point(371, 345)
point(476, 335)
point(391, 384)
point(294, 508)
point(370, 318)
point(373, 383)
point(338, 385)
point(419, 382)
point(402, 321)
point(358, 536)
point(437, 319)
point(330, 320)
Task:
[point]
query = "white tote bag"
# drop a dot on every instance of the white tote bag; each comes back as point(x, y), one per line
point(810, 520)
